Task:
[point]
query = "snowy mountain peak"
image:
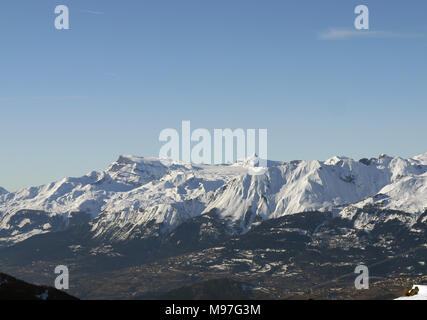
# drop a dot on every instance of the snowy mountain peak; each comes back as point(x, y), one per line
point(3, 191)
point(422, 158)
point(136, 171)
point(250, 162)
point(335, 160)
point(254, 161)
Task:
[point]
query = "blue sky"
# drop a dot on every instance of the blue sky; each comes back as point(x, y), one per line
point(72, 101)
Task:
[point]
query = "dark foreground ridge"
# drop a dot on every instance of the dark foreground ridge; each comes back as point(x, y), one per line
point(13, 289)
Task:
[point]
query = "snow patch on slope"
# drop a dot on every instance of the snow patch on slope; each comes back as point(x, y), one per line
point(422, 294)
point(407, 190)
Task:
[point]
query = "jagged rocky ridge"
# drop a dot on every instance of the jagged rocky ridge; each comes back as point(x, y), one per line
point(144, 197)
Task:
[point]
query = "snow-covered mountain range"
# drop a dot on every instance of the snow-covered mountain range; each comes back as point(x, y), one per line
point(136, 193)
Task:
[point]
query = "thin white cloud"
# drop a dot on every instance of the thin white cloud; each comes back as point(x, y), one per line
point(59, 98)
point(345, 34)
point(93, 12)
